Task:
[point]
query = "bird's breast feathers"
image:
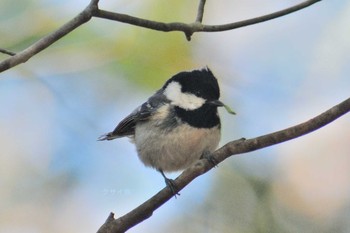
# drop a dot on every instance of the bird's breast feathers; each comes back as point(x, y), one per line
point(174, 150)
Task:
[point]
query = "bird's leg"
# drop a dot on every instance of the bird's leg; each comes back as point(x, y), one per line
point(170, 183)
point(210, 158)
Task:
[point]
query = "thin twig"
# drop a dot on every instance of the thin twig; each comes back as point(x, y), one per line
point(146, 209)
point(5, 51)
point(260, 19)
point(150, 24)
point(200, 11)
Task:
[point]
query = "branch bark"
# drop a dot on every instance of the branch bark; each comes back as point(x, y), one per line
point(92, 10)
point(8, 52)
point(48, 40)
point(191, 28)
point(200, 11)
point(146, 209)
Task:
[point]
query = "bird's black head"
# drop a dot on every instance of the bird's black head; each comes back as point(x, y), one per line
point(195, 95)
point(200, 83)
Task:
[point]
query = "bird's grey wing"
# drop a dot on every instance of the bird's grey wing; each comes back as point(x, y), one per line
point(127, 126)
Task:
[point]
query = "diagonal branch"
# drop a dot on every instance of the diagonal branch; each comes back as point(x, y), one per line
point(146, 209)
point(260, 19)
point(46, 41)
point(5, 51)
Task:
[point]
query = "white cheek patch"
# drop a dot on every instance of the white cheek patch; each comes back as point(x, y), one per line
point(183, 100)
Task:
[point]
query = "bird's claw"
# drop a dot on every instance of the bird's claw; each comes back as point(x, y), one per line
point(170, 184)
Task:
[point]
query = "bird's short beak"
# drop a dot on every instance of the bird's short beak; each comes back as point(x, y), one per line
point(217, 103)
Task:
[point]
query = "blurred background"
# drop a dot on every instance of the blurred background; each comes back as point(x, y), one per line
point(55, 176)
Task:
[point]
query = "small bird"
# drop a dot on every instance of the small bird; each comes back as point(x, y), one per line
point(176, 126)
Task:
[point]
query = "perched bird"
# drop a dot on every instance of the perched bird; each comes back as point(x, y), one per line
point(176, 126)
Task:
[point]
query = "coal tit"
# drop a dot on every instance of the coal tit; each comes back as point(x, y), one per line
point(177, 125)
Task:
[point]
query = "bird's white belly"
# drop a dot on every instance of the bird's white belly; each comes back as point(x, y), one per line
point(174, 150)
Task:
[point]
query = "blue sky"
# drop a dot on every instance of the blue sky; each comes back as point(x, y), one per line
point(274, 75)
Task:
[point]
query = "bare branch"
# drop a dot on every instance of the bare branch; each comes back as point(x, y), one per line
point(159, 26)
point(5, 51)
point(200, 11)
point(46, 41)
point(243, 23)
point(146, 209)
point(92, 10)
point(189, 29)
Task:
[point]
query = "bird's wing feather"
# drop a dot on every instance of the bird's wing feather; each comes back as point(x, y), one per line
point(127, 126)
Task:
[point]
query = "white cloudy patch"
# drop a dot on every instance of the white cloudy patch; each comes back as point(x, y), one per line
point(183, 100)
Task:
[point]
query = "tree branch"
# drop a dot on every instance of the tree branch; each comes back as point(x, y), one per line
point(146, 209)
point(5, 51)
point(46, 41)
point(260, 19)
point(92, 10)
point(200, 11)
point(191, 28)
